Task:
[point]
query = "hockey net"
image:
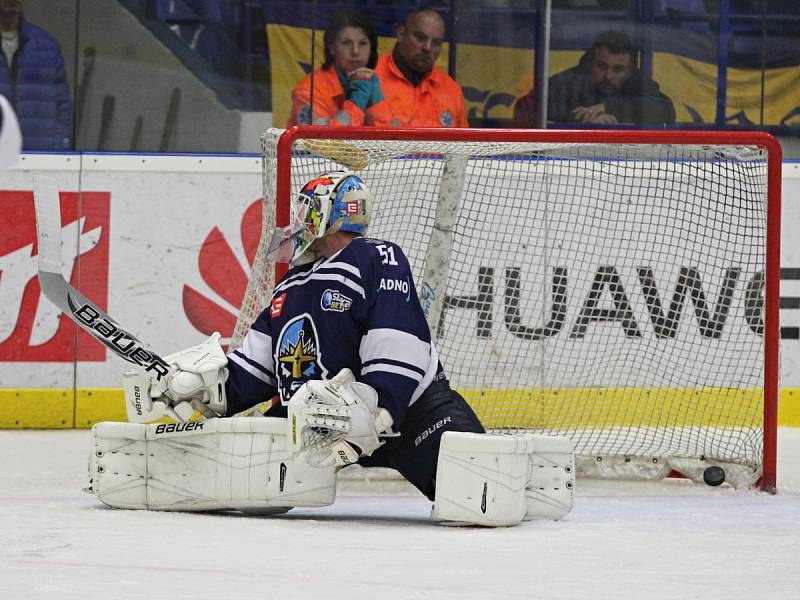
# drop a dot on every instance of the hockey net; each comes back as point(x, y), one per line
point(619, 287)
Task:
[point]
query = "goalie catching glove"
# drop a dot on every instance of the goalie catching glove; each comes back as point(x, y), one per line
point(195, 381)
point(336, 420)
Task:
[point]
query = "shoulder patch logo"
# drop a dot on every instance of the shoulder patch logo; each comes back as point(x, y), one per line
point(276, 307)
point(334, 300)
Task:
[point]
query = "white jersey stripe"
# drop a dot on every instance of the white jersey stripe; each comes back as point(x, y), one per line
point(323, 265)
point(433, 366)
point(257, 346)
point(386, 368)
point(391, 344)
point(233, 357)
point(288, 280)
point(340, 265)
point(324, 277)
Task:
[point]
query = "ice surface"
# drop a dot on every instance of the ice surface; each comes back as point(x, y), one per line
point(622, 540)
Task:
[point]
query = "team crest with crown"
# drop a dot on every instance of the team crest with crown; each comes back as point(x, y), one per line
point(298, 357)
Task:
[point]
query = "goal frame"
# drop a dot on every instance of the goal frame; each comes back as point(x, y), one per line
point(768, 480)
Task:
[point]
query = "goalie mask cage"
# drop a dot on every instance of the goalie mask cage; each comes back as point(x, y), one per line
point(620, 288)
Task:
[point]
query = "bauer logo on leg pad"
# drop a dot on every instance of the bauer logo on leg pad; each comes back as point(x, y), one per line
point(178, 427)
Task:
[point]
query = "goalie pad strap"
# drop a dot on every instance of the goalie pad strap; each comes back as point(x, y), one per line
point(237, 463)
point(551, 477)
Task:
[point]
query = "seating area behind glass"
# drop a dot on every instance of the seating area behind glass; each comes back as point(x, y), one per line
point(208, 75)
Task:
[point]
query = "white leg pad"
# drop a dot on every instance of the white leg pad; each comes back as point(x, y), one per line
point(551, 477)
point(481, 479)
point(239, 463)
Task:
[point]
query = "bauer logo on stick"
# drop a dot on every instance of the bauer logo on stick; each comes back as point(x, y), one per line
point(118, 340)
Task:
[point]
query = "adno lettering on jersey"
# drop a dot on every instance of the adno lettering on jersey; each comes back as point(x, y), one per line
point(402, 286)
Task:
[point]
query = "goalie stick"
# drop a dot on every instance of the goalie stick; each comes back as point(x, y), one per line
point(10, 135)
point(87, 314)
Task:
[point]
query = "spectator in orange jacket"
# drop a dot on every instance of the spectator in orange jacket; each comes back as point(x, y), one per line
point(345, 90)
point(418, 93)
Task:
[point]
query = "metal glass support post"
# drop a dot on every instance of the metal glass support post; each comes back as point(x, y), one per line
point(542, 63)
point(722, 60)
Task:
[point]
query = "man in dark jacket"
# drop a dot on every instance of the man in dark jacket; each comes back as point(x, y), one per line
point(604, 88)
point(33, 79)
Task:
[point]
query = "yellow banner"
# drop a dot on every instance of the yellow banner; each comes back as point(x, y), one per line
point(494, 77)
point(692, 85)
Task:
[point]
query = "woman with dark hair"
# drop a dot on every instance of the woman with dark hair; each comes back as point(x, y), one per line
point(345, 89)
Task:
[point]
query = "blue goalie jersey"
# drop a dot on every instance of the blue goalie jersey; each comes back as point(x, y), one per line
point(357, 309)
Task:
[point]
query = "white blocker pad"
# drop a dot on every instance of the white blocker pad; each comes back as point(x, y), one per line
point(238, 463)
point(499, 480)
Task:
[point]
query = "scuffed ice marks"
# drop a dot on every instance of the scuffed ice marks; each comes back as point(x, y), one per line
point(32, 545)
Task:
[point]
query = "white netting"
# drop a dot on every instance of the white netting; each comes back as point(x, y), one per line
point(608, 292)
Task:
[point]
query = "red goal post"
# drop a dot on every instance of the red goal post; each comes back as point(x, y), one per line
point(649, 259)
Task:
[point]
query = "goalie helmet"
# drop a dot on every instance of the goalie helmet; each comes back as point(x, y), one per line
point(334, 201)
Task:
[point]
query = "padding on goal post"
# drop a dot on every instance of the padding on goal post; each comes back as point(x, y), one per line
point(620, 288)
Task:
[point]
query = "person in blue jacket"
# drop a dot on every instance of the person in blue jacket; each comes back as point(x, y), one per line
point(34, 80)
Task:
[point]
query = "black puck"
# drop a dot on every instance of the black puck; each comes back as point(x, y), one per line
point(714, 475)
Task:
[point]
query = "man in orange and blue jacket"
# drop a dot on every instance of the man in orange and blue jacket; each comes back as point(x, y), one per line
point(418, 93)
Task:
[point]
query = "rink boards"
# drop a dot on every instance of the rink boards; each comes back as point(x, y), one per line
point(164, 244)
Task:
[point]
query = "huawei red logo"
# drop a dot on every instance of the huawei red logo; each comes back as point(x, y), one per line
point(32, 329)
point(222, 272)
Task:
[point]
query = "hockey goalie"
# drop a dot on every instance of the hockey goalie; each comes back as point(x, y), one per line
point(345, 350)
